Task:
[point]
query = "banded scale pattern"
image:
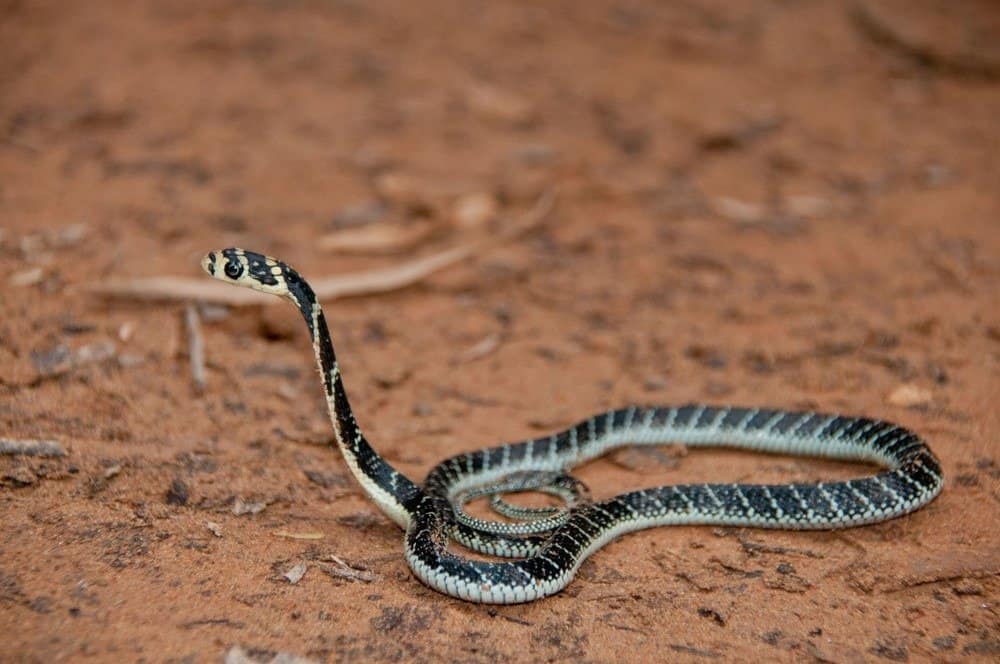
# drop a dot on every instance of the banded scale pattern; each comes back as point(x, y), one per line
point(549, 559)
point(533, 519)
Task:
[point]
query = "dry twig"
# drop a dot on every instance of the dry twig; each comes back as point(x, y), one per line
point(179, 289)
point(196, 347)
point(341, 569)
point(38, 448)
point(182, 289)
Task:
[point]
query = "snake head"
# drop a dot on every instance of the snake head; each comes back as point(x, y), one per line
point(248, 269)
point(262, 273)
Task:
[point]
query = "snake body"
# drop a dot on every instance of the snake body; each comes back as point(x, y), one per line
point(547, 557)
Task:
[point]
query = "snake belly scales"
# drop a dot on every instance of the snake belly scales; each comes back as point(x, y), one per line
point(543, 560)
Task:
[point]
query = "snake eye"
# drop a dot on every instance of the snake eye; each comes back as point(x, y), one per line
point(233, 269)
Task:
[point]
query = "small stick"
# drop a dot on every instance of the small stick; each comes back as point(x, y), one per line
point(38, 448)
point(181, 289)
point(196, 348)
point(344, 570)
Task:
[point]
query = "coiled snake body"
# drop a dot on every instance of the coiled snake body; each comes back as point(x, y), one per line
point(549, 553)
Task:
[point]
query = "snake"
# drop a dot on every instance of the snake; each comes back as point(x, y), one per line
point(536, 565)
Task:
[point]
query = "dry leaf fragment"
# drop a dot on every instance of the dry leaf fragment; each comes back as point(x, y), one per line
point(481, 349)
point(809, 207)
point(70, 236)
point(28, 277)
point(909, 395)
point(95, 352)
point(375, 239)
point(295, 574)
point(343, 570)
point(125, 331)
point(287, 391)
point(494, 103)
point(241, 507)
point(298, 536)
point(473, 211)
point(737, 210)
point(61, 359)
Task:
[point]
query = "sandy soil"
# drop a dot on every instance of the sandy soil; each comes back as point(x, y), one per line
point(761, 203)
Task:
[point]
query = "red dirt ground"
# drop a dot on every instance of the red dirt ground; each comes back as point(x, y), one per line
point(767, 203)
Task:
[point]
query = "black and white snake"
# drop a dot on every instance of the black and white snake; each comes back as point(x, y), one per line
point(548, 555)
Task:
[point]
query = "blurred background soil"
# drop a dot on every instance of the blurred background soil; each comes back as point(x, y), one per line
point(768, 203)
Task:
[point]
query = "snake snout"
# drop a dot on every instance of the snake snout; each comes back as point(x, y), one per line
point(208, 263)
